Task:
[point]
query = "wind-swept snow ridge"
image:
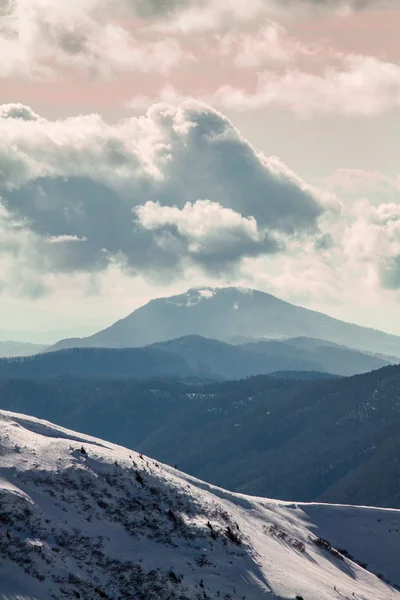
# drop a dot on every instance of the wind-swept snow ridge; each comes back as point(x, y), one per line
point(83, 518)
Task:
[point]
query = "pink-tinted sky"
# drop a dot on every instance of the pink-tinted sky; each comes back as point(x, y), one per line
point(202, 62)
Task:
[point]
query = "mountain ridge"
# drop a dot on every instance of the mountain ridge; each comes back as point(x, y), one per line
point(197, 356)
point(229, 312)
point(11, 348)
point(84, 518)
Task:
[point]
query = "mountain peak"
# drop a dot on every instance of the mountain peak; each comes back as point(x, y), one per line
point(192, 297)
point(232, 312)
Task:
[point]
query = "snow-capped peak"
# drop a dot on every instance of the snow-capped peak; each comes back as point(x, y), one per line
point(207, 293)
point(192, 297)
point(195, 295)
point(83, 518)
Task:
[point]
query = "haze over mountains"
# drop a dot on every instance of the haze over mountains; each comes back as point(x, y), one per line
point(13, 348)
point(224, 314)
point(83, 518)
point(197, 357)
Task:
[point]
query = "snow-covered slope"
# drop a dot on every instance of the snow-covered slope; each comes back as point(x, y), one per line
point(83, 518)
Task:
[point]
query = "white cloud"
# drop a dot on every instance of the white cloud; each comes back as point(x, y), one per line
point(359, 256)
point(191, 16)
point(62, 239)
point(351, 269)
point(356, 184)
point(18, 111)
point(81, 180)
point(270, 45)
point(167, 95)
point(37, 37)
point(209, 232)
point(199, 222)
point(365, 86)
point(361, 86)
point(373, 239)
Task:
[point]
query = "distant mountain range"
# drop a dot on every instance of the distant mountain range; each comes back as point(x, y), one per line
point(229, 313)
point(335, 440)
point(215, 358)
point(86, 519)
point(197, 357)
point(11, 348)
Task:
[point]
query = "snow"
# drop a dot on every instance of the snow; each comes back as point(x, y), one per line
point(192, 297)
point(196, 295)
point(84, 518)
point(207, 293)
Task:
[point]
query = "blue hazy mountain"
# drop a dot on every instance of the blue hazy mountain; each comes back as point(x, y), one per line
point(226, 313)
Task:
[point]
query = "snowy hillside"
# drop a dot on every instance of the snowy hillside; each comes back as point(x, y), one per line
point(83, 518)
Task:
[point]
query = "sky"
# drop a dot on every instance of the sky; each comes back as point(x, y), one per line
point(150, 146)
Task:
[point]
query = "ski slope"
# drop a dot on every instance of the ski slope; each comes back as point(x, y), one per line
point(83, 518)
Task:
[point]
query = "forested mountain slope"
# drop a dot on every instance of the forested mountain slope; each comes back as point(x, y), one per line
point(337, 440)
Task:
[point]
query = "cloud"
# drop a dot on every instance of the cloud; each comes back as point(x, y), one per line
point(168, 7)
point(390, 272)
point(40, 37)
point(194, 16)
point(190, 16)
point(349, 268)
point(365, 86)
point(358, 86)
point(167, 95)
point(376, 237)
point(173, 192)
point(18, 111)
point(365, 243)
point(62, 239)
point(211, 235)
point(350, 4)
point(356, 184)
point(83, 194)
point(271, 44)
